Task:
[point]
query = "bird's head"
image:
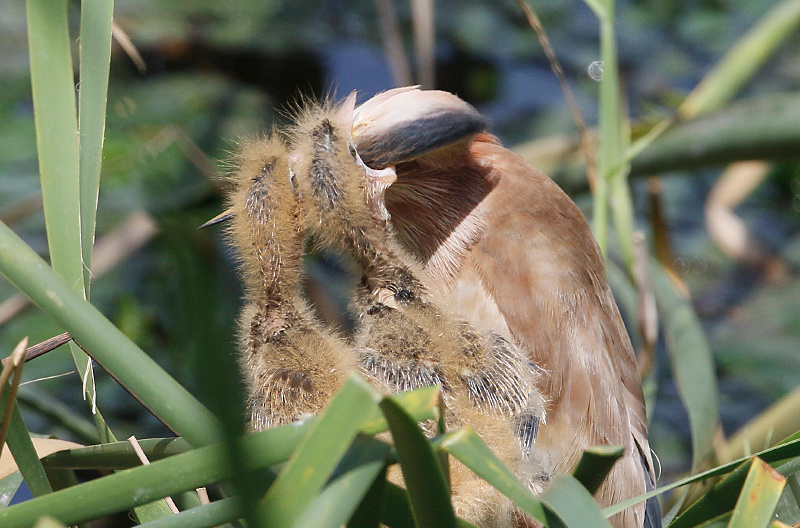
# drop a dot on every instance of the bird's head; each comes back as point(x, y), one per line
point(265, 227)
point(337, 190)
point(402, 152)
point(407, 123)
point(426, 136)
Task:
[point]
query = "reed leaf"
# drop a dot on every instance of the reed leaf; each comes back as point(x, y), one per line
point(95, 62)
point(20, 444)
point(760, 494)
point(128, 364)
point(742, 61)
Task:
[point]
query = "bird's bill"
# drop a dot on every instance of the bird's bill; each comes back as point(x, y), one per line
point(397, 126)
point(406, 123)
point(222, 217)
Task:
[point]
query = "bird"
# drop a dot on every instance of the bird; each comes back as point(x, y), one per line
point(404, 340)
point(501, 241)
point(292, 363)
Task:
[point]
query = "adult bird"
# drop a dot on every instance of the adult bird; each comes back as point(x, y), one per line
point(504, 244)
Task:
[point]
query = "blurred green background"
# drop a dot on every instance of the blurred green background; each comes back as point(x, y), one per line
point(217, 70)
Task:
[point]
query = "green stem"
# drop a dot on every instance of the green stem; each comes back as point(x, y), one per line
point(187, 471)
point(55, 117)
point(610, 129)
point(115, 352)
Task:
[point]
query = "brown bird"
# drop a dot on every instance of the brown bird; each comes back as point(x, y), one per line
point(503, 242)
point(292, 363)
point(405, 340)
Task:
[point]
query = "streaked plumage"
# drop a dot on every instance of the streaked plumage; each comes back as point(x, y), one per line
point(404, 339)
point(292, 364)
point(469, 253)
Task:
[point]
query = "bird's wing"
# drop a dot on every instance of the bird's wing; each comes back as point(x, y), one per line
point(535, 255)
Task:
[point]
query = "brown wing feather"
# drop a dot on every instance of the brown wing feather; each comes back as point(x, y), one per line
point(535, 255)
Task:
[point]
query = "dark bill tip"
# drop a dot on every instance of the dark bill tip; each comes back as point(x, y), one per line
point(416, 138)
point(223, 216)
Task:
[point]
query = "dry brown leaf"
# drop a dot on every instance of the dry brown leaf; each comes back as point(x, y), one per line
point(43, 446)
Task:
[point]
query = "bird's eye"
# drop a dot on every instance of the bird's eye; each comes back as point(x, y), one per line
point(403, 295)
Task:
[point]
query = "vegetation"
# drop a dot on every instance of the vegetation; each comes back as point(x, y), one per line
point(173, 352)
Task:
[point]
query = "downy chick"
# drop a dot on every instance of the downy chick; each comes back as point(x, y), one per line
point(292, 364)
point(404, 340)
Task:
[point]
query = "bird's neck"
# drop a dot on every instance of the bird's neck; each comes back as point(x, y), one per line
point(383, 263)
point(433, 208)
point(277, 262)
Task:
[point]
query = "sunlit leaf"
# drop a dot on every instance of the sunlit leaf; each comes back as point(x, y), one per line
point(573, 505)
point(311, 464)
point(423, 476)
point(361, 466)
point(759, 496)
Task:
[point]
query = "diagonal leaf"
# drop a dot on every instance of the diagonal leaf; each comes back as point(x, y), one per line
point(692, 364)
point(139, 374)
point(717, 501)
point(364, 462)
point(21, 446)
point(778, 420)
point(760, 494)
point(368, 514)
point(12, 367)
point(741, 62)
point(595, 464)
point(9, 487)
point(573, 505)
point(311, 464)
point(789, 449)
point(423, 476)
point(171, 476)
point(467, 447)
point(788, 507)
point(722, 497)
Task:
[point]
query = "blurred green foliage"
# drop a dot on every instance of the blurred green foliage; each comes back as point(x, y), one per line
point(219, 70)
